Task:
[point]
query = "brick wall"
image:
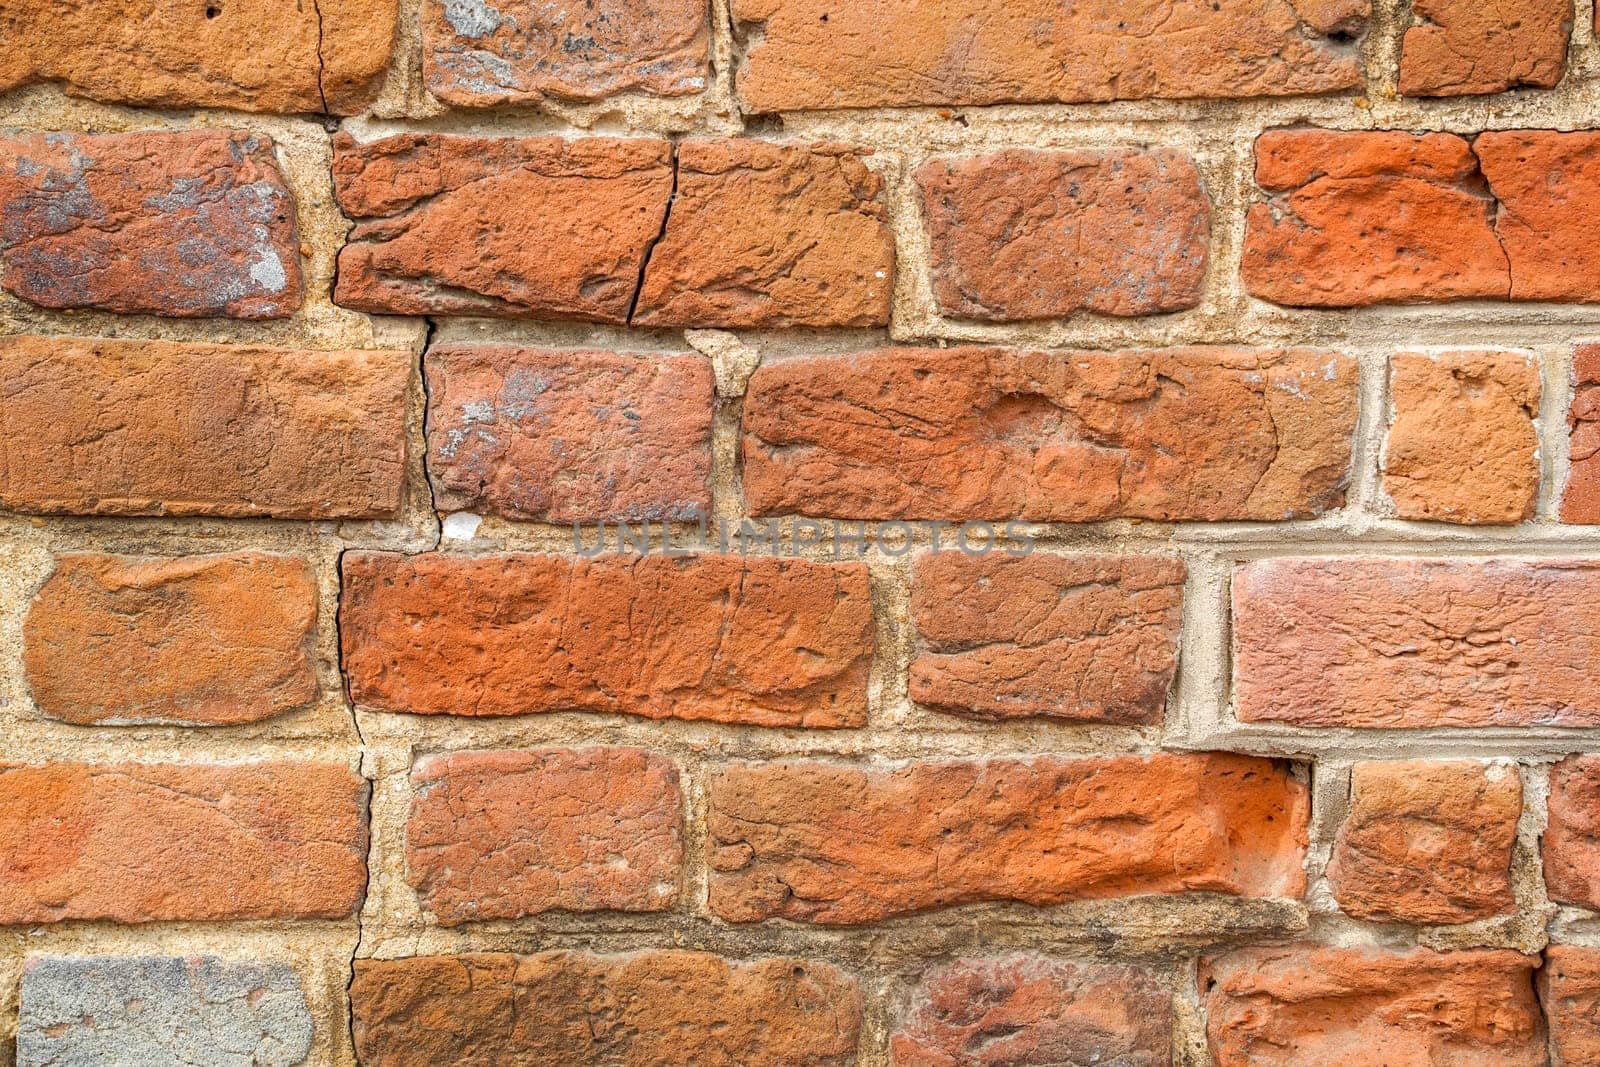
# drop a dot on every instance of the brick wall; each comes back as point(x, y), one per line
point(1262, 334)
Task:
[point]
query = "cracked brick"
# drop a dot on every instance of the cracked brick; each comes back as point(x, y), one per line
point(1572, 833)
point(1580, 502)
point(1466, 47)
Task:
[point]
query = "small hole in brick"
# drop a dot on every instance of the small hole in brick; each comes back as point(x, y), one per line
point(213, 11)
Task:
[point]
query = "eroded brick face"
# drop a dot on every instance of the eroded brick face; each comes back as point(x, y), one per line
point(1459, 48)
point(1572, 835)
point(1581, 502)
point(1569, 988)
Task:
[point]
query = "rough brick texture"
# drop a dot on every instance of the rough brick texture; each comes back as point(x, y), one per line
point(137, 843)
point(1033, 235)
point(634, 1011)
point(569, 436)
point(1290, 1007)
point(253, 55)
point(1581, 501)
point(203, 640)
point(1032, 1009)
point(763, 641)
point(1092, 639)
point(501, 835)
point(832, 843)
point(101, 427)
point(1197, 434)
point(181, 224)
point(1462, 445)
point(1569, 988)
point(1460, 48)
point(817, 54)
point(1416, 643)
point(1427, 842)
point(1572, 836)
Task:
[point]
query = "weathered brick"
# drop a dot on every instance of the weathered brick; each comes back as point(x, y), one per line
point(833, 843)
point(1546, 183)
point(1461, 48)
point(1569, 989)
point(1028, 1009)
point(1462, 444)
point(1572, 835)
point(766, 235)
point(1580, 502)
point(182, 224)
point(1088, 638)
point(762, 641)
point(522, 52)
point(979, 433)
point(503, 835)
point(637, 1010)
point(206, 640)
point(162, 1010)
point(1414, 643)
point(1303, 1005)
point(540, 227)
point(253, 55)
point(151, 842)
point(889, 53)
point(569, 436)
point(91, 426)
point(1427, 842)
point(1024, 234)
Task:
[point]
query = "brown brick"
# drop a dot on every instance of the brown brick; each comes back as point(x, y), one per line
point(531, 433)
point(1461, 48)
point(90, 426)
point(1569, 989)
point(1303, 1005)
point(640, 1010)
point(888, 53)
point(762, 641)
point(1572, 836)
point(1023, 234)
point(538, 227)
point(980, 433)
point(1427, 842)
point(522, 52)
point(832, 843)
point(1547, 183)
point(252, 55)
point(182, 224)
point(136, 843)
point(1087, 638)
point(1416, 643)
point(1028, 1009)
point(765, 235)
point(203, 640)
point(503, 835)
point(1580, 502)
point(1462, 443)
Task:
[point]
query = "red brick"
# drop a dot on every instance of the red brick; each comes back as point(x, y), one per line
point(1580, 502)
point(1572, 835)
point(877, 53)
point(1462, 444)
point(1414, 643)
point(539, 227)
point(1028, 1009)
point(985, 433)
point(530, 433)
point(1087, 638)
point(204, 640)
point(640, 1010)
point(503, 835)
point(1427, 842)
point(90, 426)
point(1304, 1005)
point(182, 224)
point(1569, 989)
point(1460, 48)
point(251, 55)
point(761, 641)
point(136, 843)
point(522, 52)
point(1547, 183)
point(765, 235)
point(839, 844)
point(1023, 234)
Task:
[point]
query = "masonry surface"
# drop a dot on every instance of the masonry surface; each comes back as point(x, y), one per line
point(1258, 342)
